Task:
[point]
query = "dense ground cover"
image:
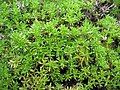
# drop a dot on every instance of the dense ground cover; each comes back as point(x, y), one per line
point(59, 44)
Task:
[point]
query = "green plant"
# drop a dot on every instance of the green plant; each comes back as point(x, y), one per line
point(54, 44)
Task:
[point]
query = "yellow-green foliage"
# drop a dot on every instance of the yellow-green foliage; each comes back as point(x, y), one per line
point(53, 45)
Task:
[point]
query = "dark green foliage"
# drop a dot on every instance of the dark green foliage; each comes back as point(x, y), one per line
point(58, 44)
